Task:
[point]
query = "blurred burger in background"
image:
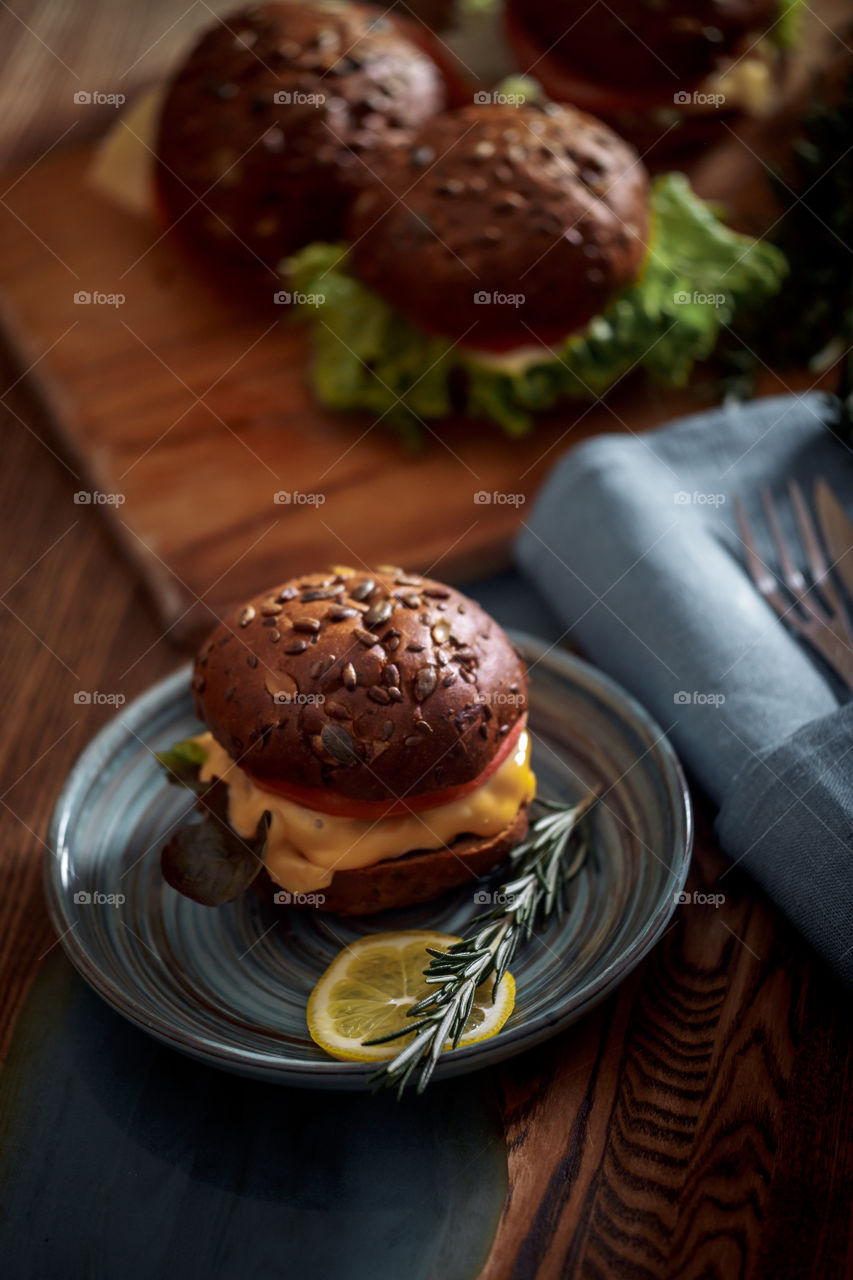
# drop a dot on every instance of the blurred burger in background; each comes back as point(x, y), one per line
point(276, 114)
point(666, 74)
point(515, 254)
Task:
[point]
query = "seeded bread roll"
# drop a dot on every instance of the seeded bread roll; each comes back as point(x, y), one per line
point(501, 224)
point(654, 48)
point(377, 686)
point(266, 123)
point(418, 876)
point(651, 71)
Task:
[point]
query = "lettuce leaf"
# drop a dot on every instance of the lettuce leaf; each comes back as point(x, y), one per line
point(208, 862)
point(697, 275)
point(182, 762)
point(786, 30)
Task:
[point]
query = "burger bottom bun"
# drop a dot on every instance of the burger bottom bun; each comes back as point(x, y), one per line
point(415, 877)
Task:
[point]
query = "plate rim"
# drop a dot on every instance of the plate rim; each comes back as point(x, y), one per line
point(352, 1075)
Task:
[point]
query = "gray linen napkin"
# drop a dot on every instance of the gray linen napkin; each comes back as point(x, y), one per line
point(633, 543)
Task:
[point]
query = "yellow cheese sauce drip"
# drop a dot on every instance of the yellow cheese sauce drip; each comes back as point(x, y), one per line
point(305, 848)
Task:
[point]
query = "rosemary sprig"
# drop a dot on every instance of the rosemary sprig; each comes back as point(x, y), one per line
point(545, 863)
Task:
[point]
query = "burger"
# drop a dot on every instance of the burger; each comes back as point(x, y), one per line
point(275, 115)
point(668, 74)
point(366, 746)
point(514, 254)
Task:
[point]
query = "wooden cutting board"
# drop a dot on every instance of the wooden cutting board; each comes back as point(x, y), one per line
point(185, 412)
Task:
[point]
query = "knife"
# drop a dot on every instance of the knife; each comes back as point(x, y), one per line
point(837, 530)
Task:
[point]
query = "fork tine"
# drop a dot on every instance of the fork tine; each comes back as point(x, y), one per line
point(808, 533)
point(793, 578)
point(825, 632)
point(758, 571)
point(811, 544)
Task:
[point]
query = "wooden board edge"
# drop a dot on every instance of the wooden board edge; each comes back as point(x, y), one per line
point(176, 607)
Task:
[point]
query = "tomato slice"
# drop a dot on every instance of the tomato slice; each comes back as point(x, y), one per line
point(328, 801)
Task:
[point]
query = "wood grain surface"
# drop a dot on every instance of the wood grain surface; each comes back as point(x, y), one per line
point(698, 1125)
point(188, 406)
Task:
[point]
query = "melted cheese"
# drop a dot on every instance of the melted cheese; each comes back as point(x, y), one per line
point(748, 84)
point(305, 848)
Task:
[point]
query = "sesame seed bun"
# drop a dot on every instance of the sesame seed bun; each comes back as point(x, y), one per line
point(276, 113)
point(501, 224)
point(376, 686)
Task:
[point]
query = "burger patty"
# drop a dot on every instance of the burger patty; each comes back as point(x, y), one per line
point(417, 876)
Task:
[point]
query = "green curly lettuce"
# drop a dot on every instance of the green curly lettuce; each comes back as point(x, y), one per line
point(182, 763)
point(697, 275)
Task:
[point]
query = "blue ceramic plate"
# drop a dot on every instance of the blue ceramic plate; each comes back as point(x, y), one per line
point(229, 985)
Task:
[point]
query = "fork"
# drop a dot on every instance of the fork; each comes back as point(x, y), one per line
point(815, 612)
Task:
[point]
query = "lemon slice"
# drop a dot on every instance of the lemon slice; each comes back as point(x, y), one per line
point(367, 990)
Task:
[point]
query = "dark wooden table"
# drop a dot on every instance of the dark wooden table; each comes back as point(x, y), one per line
point(698, 1124)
